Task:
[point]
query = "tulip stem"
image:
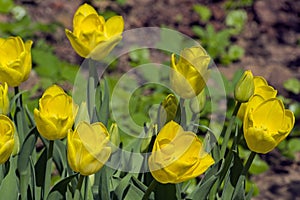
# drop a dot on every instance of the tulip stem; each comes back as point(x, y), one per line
point(80, 181)
point(151, 187)
point(47, 182)
point(248, 163)
point(229, 129)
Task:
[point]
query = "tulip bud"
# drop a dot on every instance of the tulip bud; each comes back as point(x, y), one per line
point(114, 136)
point(4, 100)
point(244, 89)
point(167, 110)
point(197, 104)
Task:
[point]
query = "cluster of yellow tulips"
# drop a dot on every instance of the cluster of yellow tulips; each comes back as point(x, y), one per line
point(177, 155)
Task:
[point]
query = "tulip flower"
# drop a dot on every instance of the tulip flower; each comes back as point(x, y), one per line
point(177, 155)
point(266, 123)
point(189, 74)
point(4, 100)
point(92, 36)
point(262, 89)
point(56, 113)
point(88, 147)
point(244, 89)
point(7, 141)
point(15, 60)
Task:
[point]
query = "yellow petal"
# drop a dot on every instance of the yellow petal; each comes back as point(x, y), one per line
point(269, 114)
point(27, 63)
point(104, 48)
point(77, 45)
point(259, 81)
point(12, 77)
point(114, 26)
point(265, 91)
point(53, 91)
point(259, 140)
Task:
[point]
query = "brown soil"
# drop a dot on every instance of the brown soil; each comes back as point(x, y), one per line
point(270, 38)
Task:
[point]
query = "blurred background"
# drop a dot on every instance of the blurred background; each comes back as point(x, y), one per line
point(261, 35)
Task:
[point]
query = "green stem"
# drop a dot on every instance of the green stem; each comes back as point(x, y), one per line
point(150, 189)
point(229, 129)
point(86, 181)
point(80, 181)
point(47, 182)
point(91, 89)
point(248, 163)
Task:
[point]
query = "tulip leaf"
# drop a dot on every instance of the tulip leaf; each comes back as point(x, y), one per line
point(60, 188)
point(103, 187)
point(9, 185)
point(165, 191)
point(104, 107)
point(59, 155)
point(292, 85)
point(239, 191)
point(40, 168)
point(26, 150)
point(204, 187)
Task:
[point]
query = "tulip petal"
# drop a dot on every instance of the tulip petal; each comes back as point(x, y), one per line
point(259, 140)
point(105, 47)
point(268, 112)
point(114, 26)
point(79, 47)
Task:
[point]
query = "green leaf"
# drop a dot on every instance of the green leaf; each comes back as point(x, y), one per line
point(6, 5)
point(9, 185)
point(236, 19)
point(292, 85)
point(60, 188)
point(26, 150)
point(165, 191)
point(104, 109)
point(235, 52)
point(40, 168)
point(59, 156)
point(103, 188)
point(203, 12)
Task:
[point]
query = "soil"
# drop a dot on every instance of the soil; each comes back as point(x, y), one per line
point(271, 39)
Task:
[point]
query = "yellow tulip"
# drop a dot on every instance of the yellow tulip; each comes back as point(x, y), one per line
point(88, 147)
point(177, 155)
point(189, 74)
point(56, 113)
point(4, 100)
point(15, 60)
point(244, 88)
point(262, 89)
point(92, 36)
point(266, 123)
point(7, 141)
